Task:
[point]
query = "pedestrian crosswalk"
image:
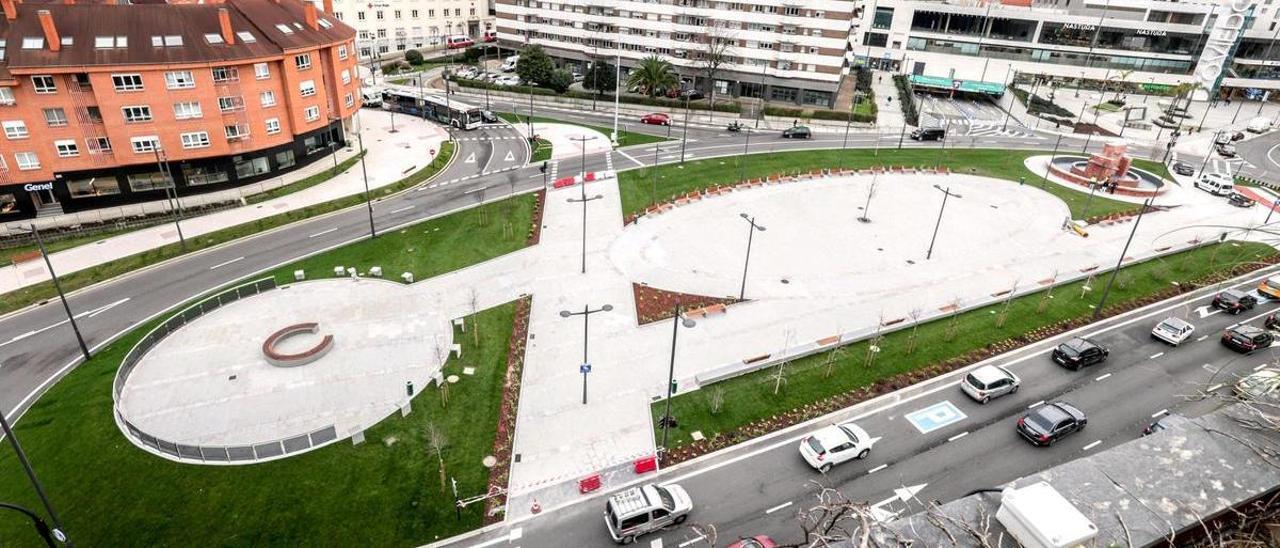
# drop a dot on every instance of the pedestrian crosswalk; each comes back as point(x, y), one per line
point(487, 138)
point(998, 131)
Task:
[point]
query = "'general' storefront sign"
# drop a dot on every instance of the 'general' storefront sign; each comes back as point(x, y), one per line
point(32, 187)
point(1217, 47)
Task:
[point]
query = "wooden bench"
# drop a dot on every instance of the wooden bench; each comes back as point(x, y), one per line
point(312, 354)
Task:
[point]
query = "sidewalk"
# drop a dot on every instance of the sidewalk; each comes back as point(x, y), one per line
point(387, 162)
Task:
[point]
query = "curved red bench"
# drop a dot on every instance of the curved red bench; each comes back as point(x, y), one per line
point(312, 354)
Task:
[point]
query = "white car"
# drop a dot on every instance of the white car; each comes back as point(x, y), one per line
point(989, 381)
point(507, 81)
point(1218, 184)
point(836, 444)
point(1173, 330)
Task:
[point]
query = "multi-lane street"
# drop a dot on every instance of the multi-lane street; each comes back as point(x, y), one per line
point(756, 488)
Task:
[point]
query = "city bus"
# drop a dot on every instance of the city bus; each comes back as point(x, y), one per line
point(435, 107)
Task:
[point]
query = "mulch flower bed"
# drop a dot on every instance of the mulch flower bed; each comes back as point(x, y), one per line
point(504, 440)
point(903, 380)
point(535, 230)
point(1122, 215)
point(655, 305)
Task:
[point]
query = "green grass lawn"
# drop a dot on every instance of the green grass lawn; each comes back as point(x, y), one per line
point(750, 397)
point(109, 493)
point(541, 151)
point(638, 191)
point(625, 138)
point(15, 300)
point(866, 105)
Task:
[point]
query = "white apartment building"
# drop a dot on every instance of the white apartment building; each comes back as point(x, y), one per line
point(385, 26)
point(790, 51)
point(1226, 46)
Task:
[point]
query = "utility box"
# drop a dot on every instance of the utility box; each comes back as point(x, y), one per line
point(299, 275)
point(1039, 517)
point(375, 272)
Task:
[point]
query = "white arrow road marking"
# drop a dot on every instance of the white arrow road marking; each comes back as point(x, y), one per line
point(1205, 312)
point(88, 313)
point(901, 494)
point(471, 159)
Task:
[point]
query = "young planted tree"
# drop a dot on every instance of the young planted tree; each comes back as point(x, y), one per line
point(715, 398)
point(715, 49)
point(873, 345)
point(436, 442)
point(1004, 307)
point(953, 322)
point(1048, 294)
point(915, 328)
point(473, 300)
point(652, 74)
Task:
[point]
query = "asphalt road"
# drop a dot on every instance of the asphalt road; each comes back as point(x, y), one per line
point(758, 488)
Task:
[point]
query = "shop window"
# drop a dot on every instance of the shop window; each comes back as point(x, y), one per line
point(197, 176)
point(8, 203)
point(285, 159)
point(142, 182)
point(250, 168)
point(93, 186)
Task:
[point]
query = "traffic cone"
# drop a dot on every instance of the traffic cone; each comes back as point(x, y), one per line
point(536, 508)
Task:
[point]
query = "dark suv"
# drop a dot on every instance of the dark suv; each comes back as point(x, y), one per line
point(929, 134)
point(797, 132)
point(1051, 422)
point(1079, 352)
point(1246, 338)
point(1234, 301)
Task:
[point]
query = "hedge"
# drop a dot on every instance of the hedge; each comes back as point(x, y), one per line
point(1038, 105)
point(673, 104)
point(909, 112)
point(468, 83)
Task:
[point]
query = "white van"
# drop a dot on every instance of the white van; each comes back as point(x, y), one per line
point(1259, 125)
point(371, 97)
point(645, 509)
point(1218, 184)
point(509, 64)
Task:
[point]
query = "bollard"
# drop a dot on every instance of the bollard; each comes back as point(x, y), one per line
point(408, 387)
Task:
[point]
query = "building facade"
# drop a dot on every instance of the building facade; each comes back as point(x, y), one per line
point(1223, 47)
point(387, 26)
point(105, 104)
point(793, 51)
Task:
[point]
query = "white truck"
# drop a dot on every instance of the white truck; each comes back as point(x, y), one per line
point(1259, 125)
point(639, 510)
point(509, 64)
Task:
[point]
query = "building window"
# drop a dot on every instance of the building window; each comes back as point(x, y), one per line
point(273, 126)
point(346, 76)
point(246, 37)
point(283, 28)
point(187, 110)
point(55, 117)
point(179, 79)
point(6, 96)
point(195, 139)
point(303, 62)
point(44, 84)
point(101, 145)
point(261, 71)
point(312, 113)
point(133, 115)
point(213, 38)
point(230, 103)
point(268, 98)
point(342, 52)
point(359, 16)
point(93, 186)
point(249, 168)
point(285, 159)
point(171, 40)
point(127, 82)
point(144, 144)
point(15, 129)
point(413, 14)
point(197, 176)
point(377, 14)
point(141, 182)
point(27, 160)
point(350, 100)
point(35, 42)
point(307, 88)
point(397, 14)
point(225, 74)
point(104, 42)
point(67, 148)
point(236, 132)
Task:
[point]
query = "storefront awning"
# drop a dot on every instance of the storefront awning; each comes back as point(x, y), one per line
point(969, 86)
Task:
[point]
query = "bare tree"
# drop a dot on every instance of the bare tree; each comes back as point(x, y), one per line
point(436, 442)
point(1004, 308)
point(441, 356)
point(834, 355)
point(953, 322)
point(1048, 294)
point(915, 328)
point(780, 374)
point(716, 47)
point(873, 345)
point(716, 399)
point(474, 301)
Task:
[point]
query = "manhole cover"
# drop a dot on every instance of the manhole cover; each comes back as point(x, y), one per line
point(489, 461)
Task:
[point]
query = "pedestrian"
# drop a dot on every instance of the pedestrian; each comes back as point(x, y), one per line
point(880, 79)
point(795, 123)
point(888, 100)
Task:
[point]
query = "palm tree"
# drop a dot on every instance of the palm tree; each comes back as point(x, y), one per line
point(652, 74)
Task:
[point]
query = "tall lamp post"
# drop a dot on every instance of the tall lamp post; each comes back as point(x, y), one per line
point(364, 173)
point(35, 482)
point(667, 419)
point(751, 232)
point(1097, 312)
point(586, 313)
point(742, 160)
point(684, 134)
point(171, 194)
point(584, 199)
point(42, 528)
point(946, 193)
point(57, 285)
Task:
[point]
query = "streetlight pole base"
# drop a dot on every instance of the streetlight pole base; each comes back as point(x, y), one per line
point(864, 220)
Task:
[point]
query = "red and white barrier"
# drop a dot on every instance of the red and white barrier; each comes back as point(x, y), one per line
point(590, 177)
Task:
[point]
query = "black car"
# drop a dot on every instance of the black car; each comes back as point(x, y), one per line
point(1272, 322)
point(929, 134)
point(1051, 422)
point(1184, 169)
point(1226, 151)
point(1234, 301)
point(1246, 338)
point(1079, 352)
point(692, 94)
point(1239, 200)
point(797, 132)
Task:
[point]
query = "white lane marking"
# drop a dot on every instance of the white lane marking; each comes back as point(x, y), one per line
point(517, 533)
point(1215, 387)
point(958, 436)
point(778, 507)
point(1157, 355)
point(877, 469)
point(656, 543)
point(692, 540)
point(1092, 445)
point(1260, 366)
point(1201, 338)
point(220, 265)
point(628, 156)
point(405, 208)
point(323, 232)
point(1103, 377)
point(89, 313)
point(94, 313)
point(1036, 404)
point(1160, 413)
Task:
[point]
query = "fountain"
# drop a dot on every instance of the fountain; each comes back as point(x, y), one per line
point(1110, 170)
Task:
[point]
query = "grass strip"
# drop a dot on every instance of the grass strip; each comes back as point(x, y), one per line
point(385, 492)
point(625, 138)
point(814, 384)
point(541, 151)
point(15, 300)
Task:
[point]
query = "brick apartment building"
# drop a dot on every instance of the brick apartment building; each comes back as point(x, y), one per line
point(104, 104)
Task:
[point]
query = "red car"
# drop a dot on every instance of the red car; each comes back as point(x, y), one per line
point(490, 36)
point(459, 42)
point(758, 541)
point(656, 118)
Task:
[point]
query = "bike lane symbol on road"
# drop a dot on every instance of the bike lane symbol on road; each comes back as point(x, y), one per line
point(935, 416)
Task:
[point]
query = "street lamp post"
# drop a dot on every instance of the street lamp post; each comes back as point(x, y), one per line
point(742, 160)
point(946, 193)
point(1049, 164)
point(364, 174)
point(1097, 312)
point(1209, 153)
point(1093, 186)
point(751, 232)
point(684, 134)
point(35, 482)
point(171, 194)
point(57, 285)
point(42, 528)
point(584, 199)
point(586, 313)
point(676, 321)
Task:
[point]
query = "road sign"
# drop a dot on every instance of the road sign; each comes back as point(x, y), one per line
point(584, 368)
